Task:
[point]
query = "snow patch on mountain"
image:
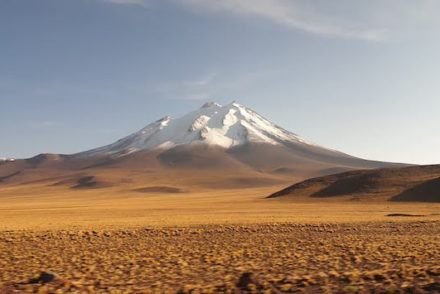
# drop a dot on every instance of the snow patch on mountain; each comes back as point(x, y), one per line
point(199, 123)
point(5, 159)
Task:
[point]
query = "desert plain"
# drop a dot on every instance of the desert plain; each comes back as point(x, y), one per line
point(165, 239)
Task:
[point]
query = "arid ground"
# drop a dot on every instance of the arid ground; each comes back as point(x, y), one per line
point(165, 241)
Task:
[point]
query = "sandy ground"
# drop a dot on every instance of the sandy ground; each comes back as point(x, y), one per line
point(112, 241)
point(270, 258)
point(40, 208)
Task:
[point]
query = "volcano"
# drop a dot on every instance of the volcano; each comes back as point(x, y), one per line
point(232, 143)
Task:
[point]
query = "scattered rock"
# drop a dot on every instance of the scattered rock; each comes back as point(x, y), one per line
point(245, 280)
point(432, 288)
point(44, 278)
point(405, 215)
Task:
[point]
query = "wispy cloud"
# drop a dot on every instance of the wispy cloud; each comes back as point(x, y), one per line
point(195, 89)
point(211, 85)
point(291, 14)
point(201, 81)
point(129, 2)
point(46, 124)
point(373, 20)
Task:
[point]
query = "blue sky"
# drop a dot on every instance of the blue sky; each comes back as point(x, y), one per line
point(358, 76)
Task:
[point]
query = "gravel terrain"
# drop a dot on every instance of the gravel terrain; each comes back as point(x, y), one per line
point(271, 258)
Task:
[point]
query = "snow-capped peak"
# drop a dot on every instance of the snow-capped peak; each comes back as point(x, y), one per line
point(6, 159)
point(213, 124)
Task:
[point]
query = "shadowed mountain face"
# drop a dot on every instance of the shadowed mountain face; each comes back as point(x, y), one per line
point(234, 144)
point(428, 191)
point(416, 183)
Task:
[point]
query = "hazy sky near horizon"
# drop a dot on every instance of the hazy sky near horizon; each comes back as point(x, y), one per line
point(362, 77)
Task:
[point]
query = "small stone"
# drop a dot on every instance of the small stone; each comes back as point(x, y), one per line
point(44, 278)
point(245, 280)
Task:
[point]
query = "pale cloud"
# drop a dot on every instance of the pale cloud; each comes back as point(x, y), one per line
point(201, 81)
point(373, 20)
point(129, 2)
point(195, 89)
point(46, 124)
point(290, 14)
point(211, 85)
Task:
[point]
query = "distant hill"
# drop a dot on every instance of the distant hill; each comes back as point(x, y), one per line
point(415, 183)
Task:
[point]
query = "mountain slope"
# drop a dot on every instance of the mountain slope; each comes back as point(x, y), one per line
point(415, 183)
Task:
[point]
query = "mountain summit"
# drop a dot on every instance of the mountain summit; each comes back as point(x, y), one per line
point(226, 126)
